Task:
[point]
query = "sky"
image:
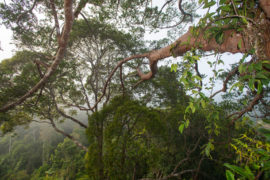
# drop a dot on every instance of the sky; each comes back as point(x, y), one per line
point(8, 50)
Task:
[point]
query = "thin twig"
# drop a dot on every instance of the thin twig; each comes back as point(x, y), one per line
point(234, 8)
point(247, 109)
point(26, 12)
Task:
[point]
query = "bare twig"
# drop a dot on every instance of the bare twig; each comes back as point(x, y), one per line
point(234, 8)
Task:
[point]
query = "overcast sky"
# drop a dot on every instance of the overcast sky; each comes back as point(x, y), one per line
point(5, 43)
point(8, 50)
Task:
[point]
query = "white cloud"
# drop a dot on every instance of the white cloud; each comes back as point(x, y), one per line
point(7, 49)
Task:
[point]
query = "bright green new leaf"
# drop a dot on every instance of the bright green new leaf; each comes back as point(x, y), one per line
point(229, 175)
point(239, 44)
point(181, 128)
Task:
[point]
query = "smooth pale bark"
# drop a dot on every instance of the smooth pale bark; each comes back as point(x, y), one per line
point(180, 46)
point(188, 41)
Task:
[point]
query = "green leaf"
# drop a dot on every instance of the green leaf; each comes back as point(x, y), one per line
point(209, 4)
point(260, 75)
point(222, 2)
point(241, 68)
point(229, 175)
point(193, 109)
point(203, 104)
point(187, 123)
point(251, 84)
point(219, 37)
point(239, 44)
point(235, 85)
point(226, 8)
point(181, 128)
point(174, 67)
point(244, 20)
point(240, 171)
point(259, 88)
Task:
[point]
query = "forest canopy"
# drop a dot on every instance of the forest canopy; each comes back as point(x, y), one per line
point(88, 62)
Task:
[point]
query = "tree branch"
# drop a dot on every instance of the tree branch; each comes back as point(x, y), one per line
point(247, 109)
point(57, 27)
point(121, 79)
point(26, 12)
point(265, 5)
point(62, 113)
point(120, 63)
point(183, 12)
point(59, 56)
point(68, 136)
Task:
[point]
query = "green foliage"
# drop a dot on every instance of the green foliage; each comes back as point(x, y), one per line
point(253, 157)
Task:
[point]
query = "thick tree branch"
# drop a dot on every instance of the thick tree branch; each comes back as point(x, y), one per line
point(79, 8)
point(188, 41)
point(59, 56)
point(265, 5)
